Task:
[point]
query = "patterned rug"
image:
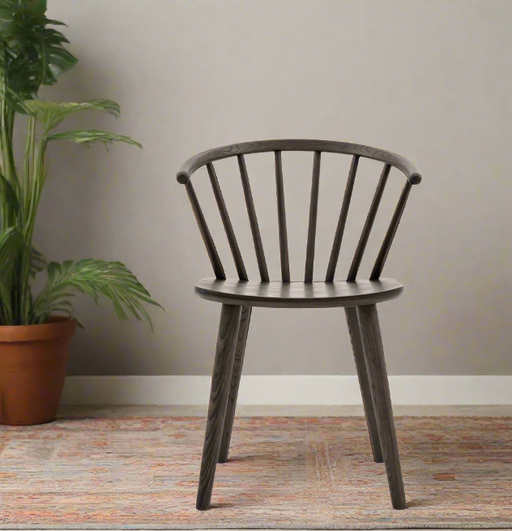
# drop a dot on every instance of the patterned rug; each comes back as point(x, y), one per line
point(283, 473)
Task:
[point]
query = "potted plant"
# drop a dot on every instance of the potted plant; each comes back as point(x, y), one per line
point(36, 329)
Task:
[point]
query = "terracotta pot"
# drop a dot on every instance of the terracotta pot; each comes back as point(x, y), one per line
point(33, 361)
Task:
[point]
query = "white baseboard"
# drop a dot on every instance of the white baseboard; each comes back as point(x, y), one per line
point(285, 390)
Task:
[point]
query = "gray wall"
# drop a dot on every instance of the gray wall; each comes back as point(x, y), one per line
point(430, 80)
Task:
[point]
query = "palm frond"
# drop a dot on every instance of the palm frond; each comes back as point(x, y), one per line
point(37, 263)
point(52, 113)
point(92, 136)
point(93, 277)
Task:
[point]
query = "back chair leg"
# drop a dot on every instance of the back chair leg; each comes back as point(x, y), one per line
point(374, 352)
point(235, 382)
point(364, 382)
point(221, 379)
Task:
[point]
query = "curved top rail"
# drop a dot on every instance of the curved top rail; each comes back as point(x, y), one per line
point(330, 146)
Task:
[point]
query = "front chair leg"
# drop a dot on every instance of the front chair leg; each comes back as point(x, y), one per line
point(221, 379)
point(235, 382)
point(364, 381)
point(374, 352)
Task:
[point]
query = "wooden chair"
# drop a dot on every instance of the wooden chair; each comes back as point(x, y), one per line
point(358, 297)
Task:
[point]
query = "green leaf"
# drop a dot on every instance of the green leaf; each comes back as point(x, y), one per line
point(93, 277)
point(37, 262)
point(11, 243)
point(89, 137)
point(10, 195)
point(52, 113)
point(59, 60)
point(52, 270)
point(31, 53)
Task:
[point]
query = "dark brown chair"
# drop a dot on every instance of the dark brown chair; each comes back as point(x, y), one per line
point(358, 297)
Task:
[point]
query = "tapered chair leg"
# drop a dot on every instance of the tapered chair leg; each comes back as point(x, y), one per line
point(221, 379)
point(243, 331)
point(374, 353)
point(364, 382)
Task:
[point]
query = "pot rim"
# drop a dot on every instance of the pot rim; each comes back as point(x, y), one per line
point(58, 326)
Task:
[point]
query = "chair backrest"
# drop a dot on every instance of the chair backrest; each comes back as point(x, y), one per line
point(317, 147)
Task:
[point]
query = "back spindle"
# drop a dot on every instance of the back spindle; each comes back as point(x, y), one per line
point(228, 227)
point(365, 234)
point(342, 221)
point(313, 214)
point(390, 234)
point(205, 233)
point(253, 220)
point(317, 148)
point(281, 216)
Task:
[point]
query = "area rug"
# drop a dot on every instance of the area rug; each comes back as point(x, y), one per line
point(283, 473)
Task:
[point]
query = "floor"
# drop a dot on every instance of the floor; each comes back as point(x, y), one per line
point(298, 411)
point(118, 411)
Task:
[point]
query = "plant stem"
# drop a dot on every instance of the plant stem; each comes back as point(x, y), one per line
point(27, 182)
point(12, 306)
point(6, 210)
point(38, 179)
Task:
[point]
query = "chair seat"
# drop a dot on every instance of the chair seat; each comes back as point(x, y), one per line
point(276, 294)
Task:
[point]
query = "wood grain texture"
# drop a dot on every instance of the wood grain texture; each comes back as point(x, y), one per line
point(376, 364)
point(281, 217)
point(365, 234)
point(317, 147)
point(228, 226)
point(260, 146)
point(364, 381)
point(253, 220)
point(390, 234)
point(276, 294)
point(358, 297)
point(218, 269)
point(243, 332)
point(313, 214)
point(342, 220)
point(221, 379)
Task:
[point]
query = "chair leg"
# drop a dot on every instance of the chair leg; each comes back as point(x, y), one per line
point(235, 382)
point(364, 382)
point(374, 352)
point(221, 378)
